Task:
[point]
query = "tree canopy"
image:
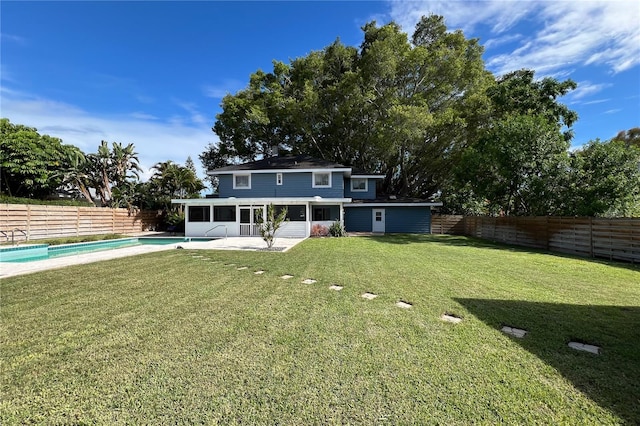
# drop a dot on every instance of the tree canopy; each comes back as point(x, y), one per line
point(424, 111)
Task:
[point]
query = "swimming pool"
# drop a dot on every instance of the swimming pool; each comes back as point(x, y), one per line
point(33, 252)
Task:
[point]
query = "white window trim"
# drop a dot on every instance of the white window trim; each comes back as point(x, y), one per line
point(366, 185)
point(279, 179)
point(313, 180)
point(241, 187)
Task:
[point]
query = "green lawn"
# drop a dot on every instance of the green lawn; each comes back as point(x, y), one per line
point(169, 338)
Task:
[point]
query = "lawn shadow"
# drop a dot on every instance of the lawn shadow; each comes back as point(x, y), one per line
point(611, 379)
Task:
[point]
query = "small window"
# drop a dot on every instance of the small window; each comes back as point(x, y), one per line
point(241, 181)
point(199, 214)
point(322, 180)
point(378, 216)
point(278, 178)
point(224, 214)
point(359, 185)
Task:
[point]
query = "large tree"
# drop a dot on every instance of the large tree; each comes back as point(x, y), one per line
point(29, 161)
point(517, 163)
point(393, 106)
point(605, 180)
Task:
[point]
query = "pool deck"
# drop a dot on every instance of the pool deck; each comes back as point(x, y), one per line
point(10, 269)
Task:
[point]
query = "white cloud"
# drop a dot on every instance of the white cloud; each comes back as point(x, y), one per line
point(154, 140)
point(143, 116)
point(612, 111)
point(568, 33)
point(219, 91)
point(586, 88)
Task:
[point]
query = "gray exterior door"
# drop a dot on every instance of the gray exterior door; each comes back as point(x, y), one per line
point(378, 220)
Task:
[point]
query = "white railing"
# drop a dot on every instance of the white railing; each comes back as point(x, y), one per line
point(248, 230)
point(226, 231)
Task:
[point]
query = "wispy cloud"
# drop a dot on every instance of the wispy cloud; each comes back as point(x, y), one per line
point(13, 38)
point(219, 91)
point(143, 116)
point(155, 139)
point(612, 111)
point(599, 32)
point(586, 88)
point(195, 116)
point(597, 101)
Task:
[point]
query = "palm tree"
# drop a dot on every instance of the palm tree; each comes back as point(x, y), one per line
point(75, 173)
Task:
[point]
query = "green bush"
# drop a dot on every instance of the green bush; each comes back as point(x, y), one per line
point(336, 229)
point(5, 199)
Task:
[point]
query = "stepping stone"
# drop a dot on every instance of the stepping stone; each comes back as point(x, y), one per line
point(229, 264)
point(197, 257)
point(584, 347)
point(369, 296)
point(242, 268)
point(336, 287)
point(260, 272)
point(515, 332)
point(403, 305)
point(286, 277)
point(451, 318)
point(309, 281)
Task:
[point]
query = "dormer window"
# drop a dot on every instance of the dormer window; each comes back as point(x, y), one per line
point(242, 181)
point(322, 180)
point(359, 185)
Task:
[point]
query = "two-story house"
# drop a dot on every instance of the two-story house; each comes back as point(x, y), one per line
point(314, 191)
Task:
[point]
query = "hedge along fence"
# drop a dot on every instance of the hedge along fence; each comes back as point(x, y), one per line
point(48, 221)
point(614, 239)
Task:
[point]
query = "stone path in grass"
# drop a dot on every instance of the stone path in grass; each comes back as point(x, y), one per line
point(447, 316)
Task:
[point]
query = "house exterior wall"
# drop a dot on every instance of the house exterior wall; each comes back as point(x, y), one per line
point(293, 185)
point(409, 220)
point(370, 194)
point(406, 220)
point(357, 219)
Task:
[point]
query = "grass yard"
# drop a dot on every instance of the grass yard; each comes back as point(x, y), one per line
point(171, 338)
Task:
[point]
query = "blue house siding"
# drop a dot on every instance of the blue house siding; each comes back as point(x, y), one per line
point(370, 194)
point(263, 185)
point(410, 220)
point(404, 220)
point(357, 219)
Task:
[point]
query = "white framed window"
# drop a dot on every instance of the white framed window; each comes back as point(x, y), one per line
point(359, 185)
point(242, 181)
point(278, 178)
point(321, 180)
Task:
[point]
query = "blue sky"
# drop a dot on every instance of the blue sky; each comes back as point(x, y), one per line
point(154, 73)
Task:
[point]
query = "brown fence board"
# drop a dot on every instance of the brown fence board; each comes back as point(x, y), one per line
point(615, 239)
point(42, 221)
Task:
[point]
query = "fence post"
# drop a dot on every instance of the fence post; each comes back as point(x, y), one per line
point(591, 237)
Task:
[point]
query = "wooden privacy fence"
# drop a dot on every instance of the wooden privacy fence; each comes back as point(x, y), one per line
point(45, 221)
point(614, 239)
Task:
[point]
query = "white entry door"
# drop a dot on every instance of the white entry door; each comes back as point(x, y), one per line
point(378, 220)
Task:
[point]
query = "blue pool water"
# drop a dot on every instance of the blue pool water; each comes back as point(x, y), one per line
point(32, 252)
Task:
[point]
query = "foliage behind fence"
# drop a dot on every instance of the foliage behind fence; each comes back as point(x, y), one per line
point(47, 221)
point(614, 239)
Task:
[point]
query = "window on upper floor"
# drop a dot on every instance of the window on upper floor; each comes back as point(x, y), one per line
point(278, 178)
point(321, 180)
point(199, 214)
point(242, 181)
point(359, 185)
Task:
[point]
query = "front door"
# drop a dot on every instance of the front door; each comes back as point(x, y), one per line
point(378, 221)
point(249, 221)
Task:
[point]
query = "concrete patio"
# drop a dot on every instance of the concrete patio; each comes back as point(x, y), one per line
point(10, 269)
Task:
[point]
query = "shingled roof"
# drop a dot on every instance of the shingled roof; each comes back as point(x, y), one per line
point(281, 163)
